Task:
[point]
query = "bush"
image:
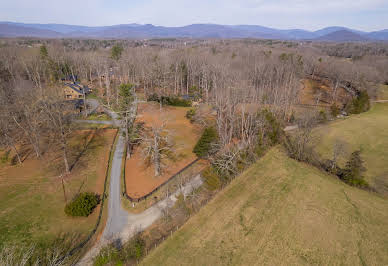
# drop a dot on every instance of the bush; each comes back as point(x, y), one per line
point(116, 255)
point(83, 204)
point(202, 148)
point(359, 104)
point(153, 98)
point(175, 101)
point(322, 117)
point(334, 110)
point(5, 157)
point(134, 249)
point(166, 100)
point(190, 114)
point(108, 254)
point(211, 178)
point(274, 130)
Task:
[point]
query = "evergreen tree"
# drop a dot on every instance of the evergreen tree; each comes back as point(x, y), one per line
point(354, 170)
point(203, 145)
point(43, 52)
point(116, 52)
point(360, 104)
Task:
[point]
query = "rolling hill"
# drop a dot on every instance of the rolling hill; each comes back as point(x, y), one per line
point(7, 30)
point(126, 31)
point(282, 212)
point(368, 132)
point(342, 36)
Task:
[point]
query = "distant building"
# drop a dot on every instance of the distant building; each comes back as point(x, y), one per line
point(75, 90)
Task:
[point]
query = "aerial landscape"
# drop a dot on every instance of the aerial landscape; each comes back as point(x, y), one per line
point(182, 133)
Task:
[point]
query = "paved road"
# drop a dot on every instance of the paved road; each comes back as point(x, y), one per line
point(121, 225)
point(117, 216)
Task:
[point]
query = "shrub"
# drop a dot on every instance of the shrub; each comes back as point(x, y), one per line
point(322, 117)
point(190, 114)
point(108, 254)
point(83, 204)
point(359, 104)
point(334, 110)
point(354, 169)
point(134, 249)
point(166, 100)
point(175, 101)
point(153, 98)
point(203, 145)
point(274, 130)
point(5, 156)
point(211, 178)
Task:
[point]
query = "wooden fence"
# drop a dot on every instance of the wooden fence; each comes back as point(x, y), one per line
point(157, 188)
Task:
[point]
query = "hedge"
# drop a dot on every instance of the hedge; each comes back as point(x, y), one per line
point(203, 145)
point(166, 100)
point(83, 204)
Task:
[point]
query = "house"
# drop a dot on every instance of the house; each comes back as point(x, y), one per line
point(75, 90)
point(71, 78)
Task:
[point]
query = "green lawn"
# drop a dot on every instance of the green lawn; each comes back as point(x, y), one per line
point(368, 132)
point(99, 117)
point(31, 196)
point(282, 212)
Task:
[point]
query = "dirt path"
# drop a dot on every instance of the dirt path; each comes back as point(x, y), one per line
point(94, 122)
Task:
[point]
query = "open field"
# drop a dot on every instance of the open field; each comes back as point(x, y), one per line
point(31, 196)
point(282, 212)
point(368, 132)
point(140, 179)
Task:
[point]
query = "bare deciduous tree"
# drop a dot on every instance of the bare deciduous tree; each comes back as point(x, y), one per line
point(157, 145)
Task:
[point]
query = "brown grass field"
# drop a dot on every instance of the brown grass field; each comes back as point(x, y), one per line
point(31, 195)
point(139, 178)
point(282, 212)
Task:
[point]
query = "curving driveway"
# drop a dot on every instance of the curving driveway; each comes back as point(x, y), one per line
point(121, 225)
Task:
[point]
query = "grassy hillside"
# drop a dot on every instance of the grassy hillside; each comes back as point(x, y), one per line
point(368, 131)
point(282, 212)
point(31, 195)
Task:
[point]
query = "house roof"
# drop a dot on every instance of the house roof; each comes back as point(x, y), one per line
point(78, 88)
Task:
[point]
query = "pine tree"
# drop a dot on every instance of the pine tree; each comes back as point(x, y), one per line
point(354, 170)
point(203, 145)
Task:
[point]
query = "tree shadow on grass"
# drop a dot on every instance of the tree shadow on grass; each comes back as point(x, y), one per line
point(89, 144)
point(80, 149)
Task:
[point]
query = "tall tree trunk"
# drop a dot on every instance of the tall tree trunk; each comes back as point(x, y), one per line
point(156, 155)
point(64, 147)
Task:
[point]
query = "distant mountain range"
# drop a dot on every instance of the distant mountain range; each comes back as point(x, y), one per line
point(136, 31)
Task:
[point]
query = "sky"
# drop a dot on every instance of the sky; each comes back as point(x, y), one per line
point(368, 15)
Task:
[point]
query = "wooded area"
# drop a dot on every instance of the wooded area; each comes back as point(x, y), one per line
point(229, 74)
